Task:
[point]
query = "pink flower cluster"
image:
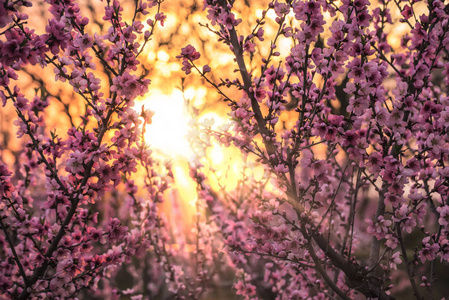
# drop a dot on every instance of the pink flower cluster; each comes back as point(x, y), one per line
point(56, 242)
point(188, 55)
point(360, 183)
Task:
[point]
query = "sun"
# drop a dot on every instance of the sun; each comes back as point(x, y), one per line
point(167, 134)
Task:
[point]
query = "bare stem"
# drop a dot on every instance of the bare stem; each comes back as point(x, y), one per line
point(375, 243)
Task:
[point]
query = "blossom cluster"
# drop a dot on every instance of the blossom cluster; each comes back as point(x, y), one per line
point(359, 184)
point(55, 241)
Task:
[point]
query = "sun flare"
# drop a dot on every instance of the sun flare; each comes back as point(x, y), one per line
point(167, 134)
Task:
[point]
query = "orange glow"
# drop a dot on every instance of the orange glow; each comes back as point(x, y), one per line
point(183, 196)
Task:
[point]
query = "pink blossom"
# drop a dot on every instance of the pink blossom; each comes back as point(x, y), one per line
point(444, 215)
point(161, 17)
point(228, 20)
point(429, 250)
point(395, 260)
point(380, 228)
point(129, 86)
point(15, 48)
point(75, 164)
point(58, 36)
